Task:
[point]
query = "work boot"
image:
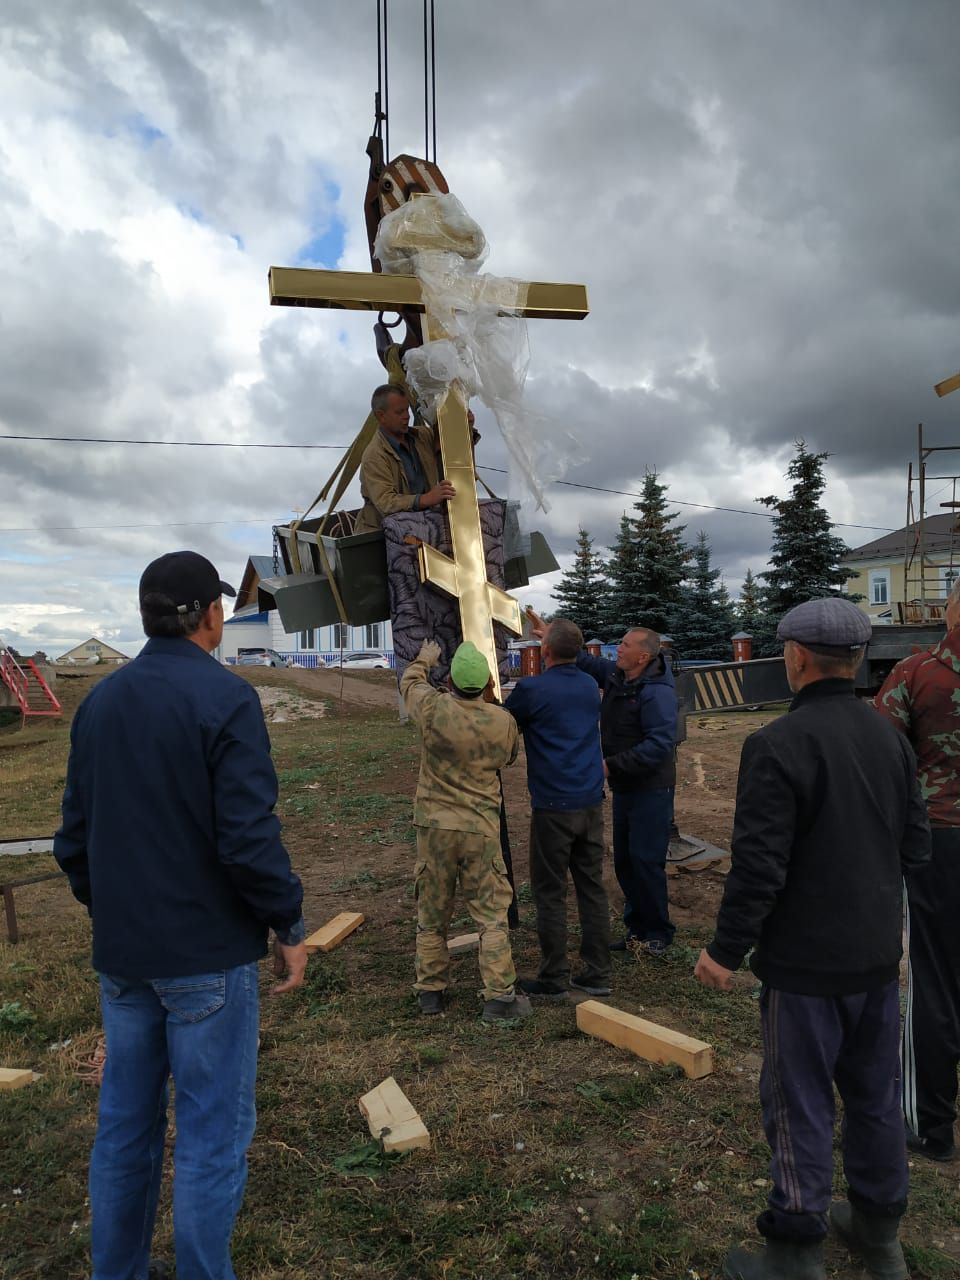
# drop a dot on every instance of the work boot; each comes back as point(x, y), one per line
point(431, 1002)
point(777, 1260)
point(509, 1009)
point(542, 990)
point(874, 1239)
point(159, 1270)
point(593, 986)
point(941, 1152)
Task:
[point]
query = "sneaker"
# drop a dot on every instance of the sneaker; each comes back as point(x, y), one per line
point(941, 1152)
point(431, 1002)
point(542, 990)
point(654, 947)
point(507, 1010)
point(592, 986)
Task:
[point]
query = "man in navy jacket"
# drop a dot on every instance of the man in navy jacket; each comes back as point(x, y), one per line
point(638, 733)
point(170, 840)
point(557, 714)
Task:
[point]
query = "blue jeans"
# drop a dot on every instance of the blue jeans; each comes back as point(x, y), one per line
point(641, 834)
point(202, 1030)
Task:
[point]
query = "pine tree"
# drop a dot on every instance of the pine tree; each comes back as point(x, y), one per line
point(621, 589)
point(581, 590)
point(805, 554)
point(750, 614)
point(649, 564)
point(701, 625)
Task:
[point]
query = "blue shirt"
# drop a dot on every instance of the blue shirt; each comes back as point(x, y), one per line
point(558, 714)
point(410, 461)
point(168, 835)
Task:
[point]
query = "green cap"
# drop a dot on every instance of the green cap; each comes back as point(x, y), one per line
point(469, 669)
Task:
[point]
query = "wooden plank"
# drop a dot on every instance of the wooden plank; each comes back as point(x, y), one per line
point(14, 1077)
point(334, 932)
point(646, 1039)
point(464, 942)
point(392, 1118)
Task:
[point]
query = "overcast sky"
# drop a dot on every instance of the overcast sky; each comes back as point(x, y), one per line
point(762, 197)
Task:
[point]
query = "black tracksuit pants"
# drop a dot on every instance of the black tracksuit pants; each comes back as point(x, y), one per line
point(931, 1031)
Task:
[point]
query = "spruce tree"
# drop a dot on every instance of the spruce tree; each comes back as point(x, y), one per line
point(701, 625)
point(662, 558)
point(621, 589)
point(581, 590)
point(805, 554)
point(750, 614)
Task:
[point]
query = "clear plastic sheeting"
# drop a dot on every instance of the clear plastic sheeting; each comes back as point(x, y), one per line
point(484, 341)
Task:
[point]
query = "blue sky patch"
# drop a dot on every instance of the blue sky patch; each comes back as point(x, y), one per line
point(141, 128)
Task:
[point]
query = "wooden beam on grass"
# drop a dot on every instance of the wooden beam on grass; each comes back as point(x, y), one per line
point(392, 1118)
point(645, 1039)
point(14, 1077)
point(463, 943)
point(334, 932)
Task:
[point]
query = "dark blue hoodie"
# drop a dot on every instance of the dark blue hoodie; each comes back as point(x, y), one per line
point(638, 723)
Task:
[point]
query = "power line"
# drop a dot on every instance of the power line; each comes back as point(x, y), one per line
point(181, 444)
point(165, 524)
point(230, 444)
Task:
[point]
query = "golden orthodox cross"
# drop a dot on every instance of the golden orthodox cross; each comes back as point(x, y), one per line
point(464, 574)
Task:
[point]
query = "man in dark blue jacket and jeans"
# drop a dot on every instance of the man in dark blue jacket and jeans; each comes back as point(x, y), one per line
point(557, 714)
point(170, 840)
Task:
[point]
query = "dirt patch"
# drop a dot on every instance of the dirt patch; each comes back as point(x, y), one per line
point(280, 705)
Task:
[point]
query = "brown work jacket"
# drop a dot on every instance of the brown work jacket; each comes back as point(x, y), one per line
point(383, 481)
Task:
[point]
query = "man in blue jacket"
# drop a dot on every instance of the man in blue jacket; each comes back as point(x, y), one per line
point(557, 714)
point(638, 731)
point(170, 841)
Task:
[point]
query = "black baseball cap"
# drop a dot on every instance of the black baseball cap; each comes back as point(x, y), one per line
point(186, 578)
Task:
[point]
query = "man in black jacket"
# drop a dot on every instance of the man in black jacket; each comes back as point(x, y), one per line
point(170, 841)
point(829, 818)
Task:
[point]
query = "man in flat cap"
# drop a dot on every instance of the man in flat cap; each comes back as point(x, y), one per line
point(170, 841)
point(466, 741)
point(921, 698)
point(829, 818)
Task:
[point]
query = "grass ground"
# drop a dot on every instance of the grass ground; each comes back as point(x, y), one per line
point(553, 1154)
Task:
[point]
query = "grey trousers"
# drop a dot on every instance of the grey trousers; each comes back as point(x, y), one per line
point(562, 841)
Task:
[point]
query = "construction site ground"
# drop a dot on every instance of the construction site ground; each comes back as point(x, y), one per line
point(552, 1152)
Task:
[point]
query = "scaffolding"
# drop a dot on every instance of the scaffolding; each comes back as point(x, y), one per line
point(931, 559)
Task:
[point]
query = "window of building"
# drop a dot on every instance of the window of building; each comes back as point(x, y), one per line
point(948, 576)
point(91, 647)
point(339, 636)
point(879, 586)
point(372, 635)
point(308, 639)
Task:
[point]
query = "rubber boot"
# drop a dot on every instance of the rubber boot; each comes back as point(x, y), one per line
point(874, 1239)
point(777, 1260)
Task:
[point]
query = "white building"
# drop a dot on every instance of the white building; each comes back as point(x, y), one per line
point(249, 628)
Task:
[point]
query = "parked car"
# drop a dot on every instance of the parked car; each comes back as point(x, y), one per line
point(260, 658)
point(360, 661)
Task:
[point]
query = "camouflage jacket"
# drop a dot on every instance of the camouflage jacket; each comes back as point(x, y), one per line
point(383, 481)
point(921, 697)
point(465, 742)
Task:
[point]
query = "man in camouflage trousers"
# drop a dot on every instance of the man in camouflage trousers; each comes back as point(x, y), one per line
point(466, 740)
point(921, 698)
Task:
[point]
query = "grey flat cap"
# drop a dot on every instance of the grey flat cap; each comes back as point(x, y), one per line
point(832, 623)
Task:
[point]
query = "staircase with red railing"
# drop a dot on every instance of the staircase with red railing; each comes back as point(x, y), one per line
point(25, 681)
